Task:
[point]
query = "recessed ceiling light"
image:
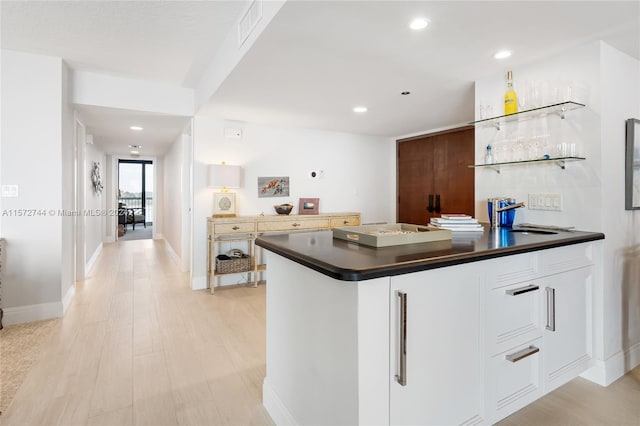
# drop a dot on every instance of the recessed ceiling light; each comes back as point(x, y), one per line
point(135, 146)
point(360, 109)
point(137, 128)
point(405, 93)
point(419, 24)
point(502, 54)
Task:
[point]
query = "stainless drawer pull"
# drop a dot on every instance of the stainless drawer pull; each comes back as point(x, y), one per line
point(401, 377)
point(517, 356)
point(551, 309)
point(522, 290)
point(235, 228)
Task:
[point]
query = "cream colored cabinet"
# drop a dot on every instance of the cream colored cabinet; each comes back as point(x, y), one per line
point(241, 232)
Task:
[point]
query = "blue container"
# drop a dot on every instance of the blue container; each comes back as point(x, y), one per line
point(506, 217)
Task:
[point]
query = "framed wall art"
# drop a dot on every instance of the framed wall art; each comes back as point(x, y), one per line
point(308, 205)
point(273, 186)
point(632, 165)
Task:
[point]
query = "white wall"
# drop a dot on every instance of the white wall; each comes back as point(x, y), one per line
point(592, 190)
point(580, 183)
point(95, 222)
point(620, 95)
point(32, 148)
point(357, 173)
point(172, 206)
point(90, 88)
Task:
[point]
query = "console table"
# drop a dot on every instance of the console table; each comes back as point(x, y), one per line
point(245, 229)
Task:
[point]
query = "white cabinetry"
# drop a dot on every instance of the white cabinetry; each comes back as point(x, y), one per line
point(538, 325)
point(567, 339)
point(459, 345)
point(438, 311)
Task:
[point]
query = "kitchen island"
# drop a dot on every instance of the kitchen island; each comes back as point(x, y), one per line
point(461, 331)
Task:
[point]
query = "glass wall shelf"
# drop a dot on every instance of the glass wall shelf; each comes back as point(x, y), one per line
point(560, 161)
point(558, 109)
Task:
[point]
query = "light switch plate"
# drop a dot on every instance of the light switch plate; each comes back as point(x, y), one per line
point(545, 201)
point(9, 191)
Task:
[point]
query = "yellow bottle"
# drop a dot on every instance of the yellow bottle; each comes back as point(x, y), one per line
point(510, 97)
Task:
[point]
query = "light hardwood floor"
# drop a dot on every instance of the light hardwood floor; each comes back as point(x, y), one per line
point(137, 346)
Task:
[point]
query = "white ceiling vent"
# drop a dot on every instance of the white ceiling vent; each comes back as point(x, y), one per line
point(249, 21)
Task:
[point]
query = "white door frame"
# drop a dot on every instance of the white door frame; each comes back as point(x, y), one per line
point(79, 183)
point(187, 200)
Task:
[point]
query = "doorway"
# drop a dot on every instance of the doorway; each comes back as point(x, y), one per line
point(433, 175)
point(135, 199)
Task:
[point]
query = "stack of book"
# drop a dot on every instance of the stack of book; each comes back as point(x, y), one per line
point(456, 223)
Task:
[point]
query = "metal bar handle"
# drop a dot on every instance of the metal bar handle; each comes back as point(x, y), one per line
point(401, 377)
point(551, 309)
point(522, 354)
point(522, 290)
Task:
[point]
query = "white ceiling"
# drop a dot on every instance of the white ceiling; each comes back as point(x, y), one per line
point(111, 132)
point(162, 41)
point(316, 60)
point(167, 41)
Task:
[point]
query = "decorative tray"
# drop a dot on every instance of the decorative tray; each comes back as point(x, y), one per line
point(391, 234)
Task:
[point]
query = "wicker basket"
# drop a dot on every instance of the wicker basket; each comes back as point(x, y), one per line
point(239, 264)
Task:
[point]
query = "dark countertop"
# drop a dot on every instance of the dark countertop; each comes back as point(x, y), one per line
point(350, 261)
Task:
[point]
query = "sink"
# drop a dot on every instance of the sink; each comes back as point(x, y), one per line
point(533, 231)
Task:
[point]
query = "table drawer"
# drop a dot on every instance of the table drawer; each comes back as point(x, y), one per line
point(513, 315)
point(293, 225)
point(234, 228)
point(345, 221)
point(515, 379)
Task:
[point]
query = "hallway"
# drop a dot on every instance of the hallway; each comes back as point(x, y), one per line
point(137, 346)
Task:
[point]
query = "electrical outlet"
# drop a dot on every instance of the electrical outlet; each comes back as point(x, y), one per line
point(545, 201)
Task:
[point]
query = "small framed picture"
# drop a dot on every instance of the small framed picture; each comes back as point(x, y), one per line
point(224, 204)
point(308, 205)
point(632, 172)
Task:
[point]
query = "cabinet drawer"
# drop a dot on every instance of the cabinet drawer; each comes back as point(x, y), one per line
point(293, 225)
point(234, 228)
point(566, 258)
point(513, 315)
point(515, 379)
point(512, 269)
point(336, 222)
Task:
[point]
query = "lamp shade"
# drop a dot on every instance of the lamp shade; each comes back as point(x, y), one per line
point(224, 176)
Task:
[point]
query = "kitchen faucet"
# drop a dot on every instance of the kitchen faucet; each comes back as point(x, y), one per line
point(495, 219)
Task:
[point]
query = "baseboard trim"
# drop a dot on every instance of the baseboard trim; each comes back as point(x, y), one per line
point(172, 252)
point(275, 407)
point(30, 313)
point(199, 283)
point(606, 372)
point(66, 301)
point(94, 257)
